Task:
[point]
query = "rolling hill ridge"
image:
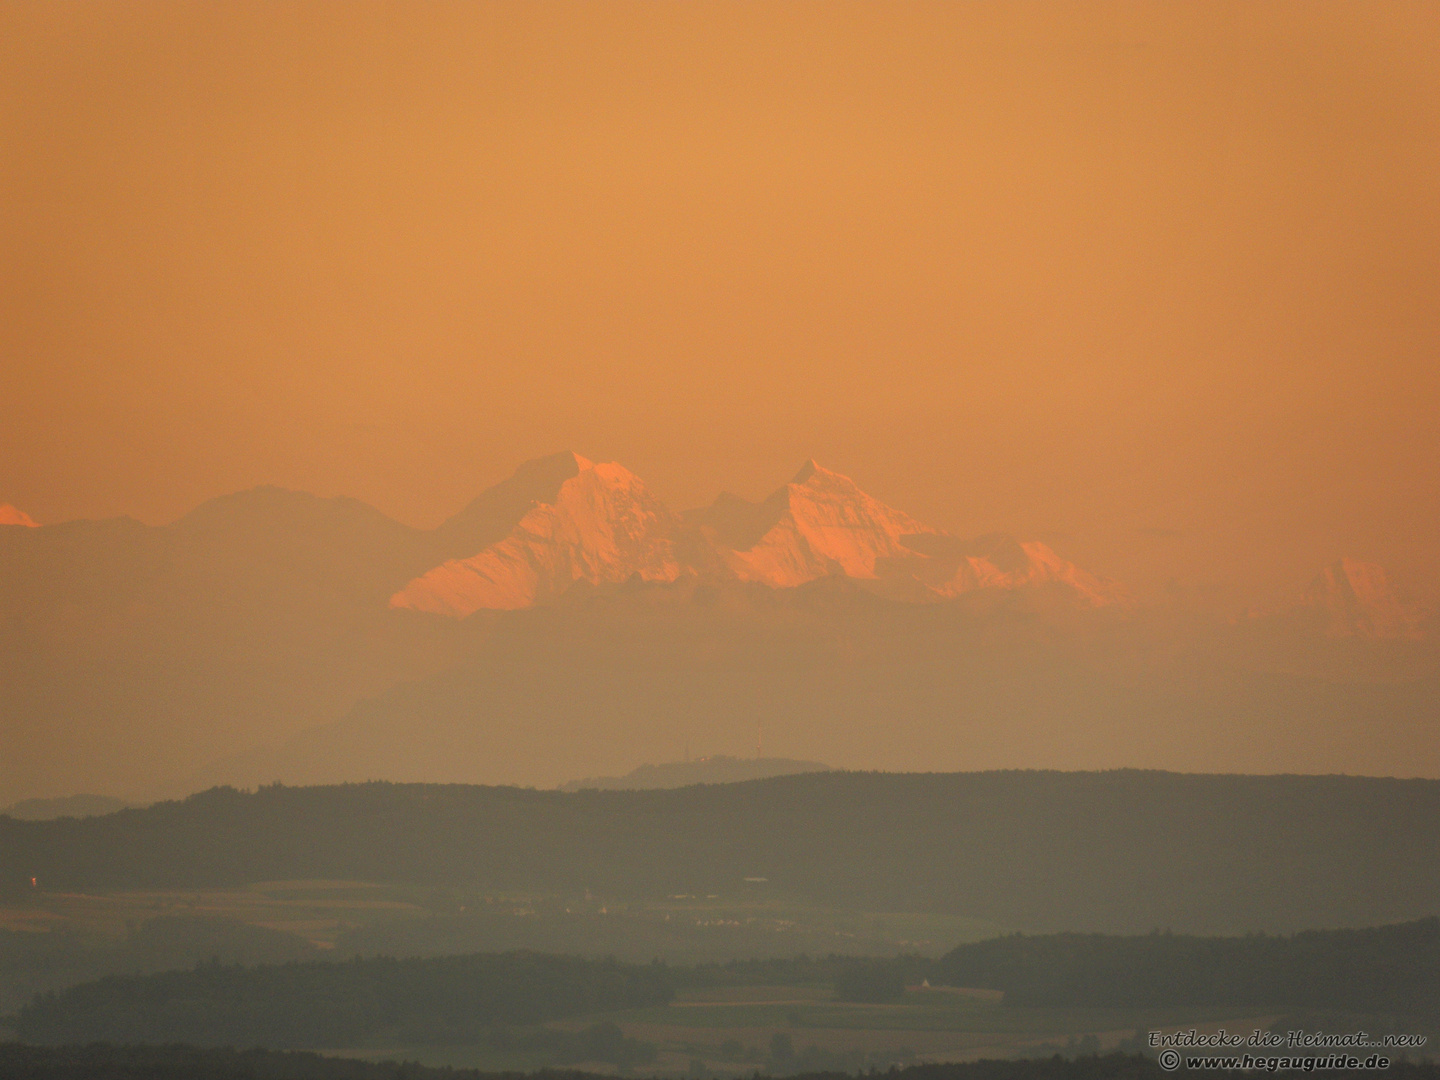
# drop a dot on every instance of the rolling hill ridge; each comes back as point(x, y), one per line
point(1118, 852)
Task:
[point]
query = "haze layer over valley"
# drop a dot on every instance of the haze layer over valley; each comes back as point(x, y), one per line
point(567, 623)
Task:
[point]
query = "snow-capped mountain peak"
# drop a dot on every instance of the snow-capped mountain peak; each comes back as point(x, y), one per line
point(10, 515)
point(603, 525)
point(823, 524)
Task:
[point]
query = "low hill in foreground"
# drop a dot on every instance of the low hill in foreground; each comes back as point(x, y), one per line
point(1122, 851)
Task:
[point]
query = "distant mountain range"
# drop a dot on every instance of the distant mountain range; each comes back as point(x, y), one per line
point(720, 769)
point(601, 525)
point(567, 623)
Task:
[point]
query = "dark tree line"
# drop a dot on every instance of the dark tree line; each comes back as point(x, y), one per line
point(32, 963)
point(1380, 969)
point(451, 999)
point(1385, 969)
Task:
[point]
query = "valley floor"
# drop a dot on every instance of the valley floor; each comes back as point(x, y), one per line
point(730, 1031)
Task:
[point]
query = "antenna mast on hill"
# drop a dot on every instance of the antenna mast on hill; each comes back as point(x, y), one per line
point(757, 742)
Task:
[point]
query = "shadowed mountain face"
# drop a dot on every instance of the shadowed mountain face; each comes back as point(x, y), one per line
point(497, 510)
point(254, 639)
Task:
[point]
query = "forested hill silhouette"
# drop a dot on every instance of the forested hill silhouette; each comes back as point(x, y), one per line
point(438, 999)
point(1376, 969)
point(1114, 851)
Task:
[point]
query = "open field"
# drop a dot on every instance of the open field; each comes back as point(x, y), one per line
point(398, 918)
point(732, 1029)
point(318, 911)
point(53, 939)
point(722, 1021)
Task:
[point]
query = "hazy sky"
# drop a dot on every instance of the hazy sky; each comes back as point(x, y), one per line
point(1158, 282)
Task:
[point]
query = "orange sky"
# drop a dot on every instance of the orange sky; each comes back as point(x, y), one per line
point(1157, 282)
